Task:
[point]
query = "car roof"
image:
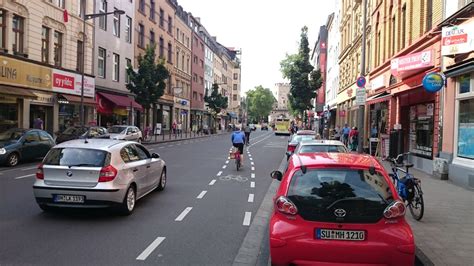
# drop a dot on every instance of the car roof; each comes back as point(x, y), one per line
point(305, 132)
point(96, 144)
point(321, 142)
point(326, 159)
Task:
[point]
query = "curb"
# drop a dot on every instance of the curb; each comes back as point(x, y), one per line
point(176, 140)
point(250, 249)
point(421, 258)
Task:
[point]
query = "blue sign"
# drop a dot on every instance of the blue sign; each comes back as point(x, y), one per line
point(183, 102)
point(433, 82)
point(361, 82)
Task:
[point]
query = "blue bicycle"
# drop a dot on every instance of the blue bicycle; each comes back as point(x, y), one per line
point(408, 186)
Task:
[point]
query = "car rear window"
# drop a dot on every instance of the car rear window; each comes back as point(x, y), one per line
point(302, 138)
point(322, 148)
point(319, 192)
point(77, 157)
point(116, 129)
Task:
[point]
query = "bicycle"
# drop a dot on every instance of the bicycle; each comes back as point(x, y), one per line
point(236, 156)
point(408, 186)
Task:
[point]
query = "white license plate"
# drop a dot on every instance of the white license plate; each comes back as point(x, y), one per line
point(69, 198)
point(331, 234)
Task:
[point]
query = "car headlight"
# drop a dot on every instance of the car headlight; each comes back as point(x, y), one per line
point(3, 151)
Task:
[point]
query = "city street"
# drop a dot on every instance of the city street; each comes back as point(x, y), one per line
point(201, 217)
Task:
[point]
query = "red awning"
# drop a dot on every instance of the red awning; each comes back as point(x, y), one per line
point(77, 99)
point(382, 97)
point(121, 101)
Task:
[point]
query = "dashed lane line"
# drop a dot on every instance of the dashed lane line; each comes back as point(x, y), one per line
point(252, 184)
point(219, 173)
point(212, 182)
point(250, 199)
point(251, 163)
point(250, 158)
point(29, 168)
point(24, 176)
point(253, 168)
point(227, 161)
point(201, 195)
point(252, 175)
point(224, 166)
point(150, 248)
point(183, 214)
point(247, 217)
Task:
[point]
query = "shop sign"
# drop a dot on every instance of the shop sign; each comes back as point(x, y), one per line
point(457, 39)
point(411, 62)
point(43, 98)
point(377, 82)
point(21, 73)
point(70, 83)
point(7, 99)
point(433, 82)
point(361, 96)
point(342, 113)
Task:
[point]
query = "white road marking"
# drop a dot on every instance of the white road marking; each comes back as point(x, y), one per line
point(212, 182)
point(223, 167)
point(150, 248)
point(253, 168)
point(200, 196)
point(251, 196)
point(183, 214)
point(251, 163)
point(220, 173)
point(23, 176)
point(29, 168)
point(251, 159)
point(252, 184)
point(252, 175)
point(227, 161)
point(282, 137)
point(248, 216)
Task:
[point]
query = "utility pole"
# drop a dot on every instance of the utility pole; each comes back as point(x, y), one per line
point(361, 112)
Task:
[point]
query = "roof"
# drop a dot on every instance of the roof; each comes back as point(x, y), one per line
point(325, 159)
point(97, 144)
point(306, 132)
point(322, 142)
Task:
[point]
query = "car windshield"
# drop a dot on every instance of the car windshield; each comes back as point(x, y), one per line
point(322, 148)
point(116, 129)
point(77, 157)
point(318, 192)
point(11, 135)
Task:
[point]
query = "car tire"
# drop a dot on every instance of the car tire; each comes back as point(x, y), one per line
point(129, 202)
point(13, 159)
point(163, 179)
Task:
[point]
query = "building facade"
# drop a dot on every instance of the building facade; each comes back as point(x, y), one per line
point(41, 50)
point(198, 76)
point(236, 81)
point(319, 57)
point(332, 73)
point(113, 52)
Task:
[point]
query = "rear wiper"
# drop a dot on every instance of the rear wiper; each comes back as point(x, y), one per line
point(344, 199)
point(82, 164)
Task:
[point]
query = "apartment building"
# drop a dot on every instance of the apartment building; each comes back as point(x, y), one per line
point(332, 73)
point(198, 77)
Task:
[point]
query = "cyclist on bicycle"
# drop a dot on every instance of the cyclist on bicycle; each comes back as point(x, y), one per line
point(238, 140)
point(247, 131)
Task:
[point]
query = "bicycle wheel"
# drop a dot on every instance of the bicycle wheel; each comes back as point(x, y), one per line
point(417, 206)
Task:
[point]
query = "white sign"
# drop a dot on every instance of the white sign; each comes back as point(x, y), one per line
point(377, 82)
point(158, 129)
point(70, 83)
point(361, 96)
point(457, 39)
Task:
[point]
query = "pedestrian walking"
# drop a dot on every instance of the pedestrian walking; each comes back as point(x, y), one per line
point(354, 139)
point(38, 123)
point(345, 134)
point(174, 127)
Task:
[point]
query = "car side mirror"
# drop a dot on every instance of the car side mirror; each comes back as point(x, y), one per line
point(276, 175)
point(155, 155)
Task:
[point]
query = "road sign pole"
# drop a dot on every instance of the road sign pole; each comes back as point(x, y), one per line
point(361, 112)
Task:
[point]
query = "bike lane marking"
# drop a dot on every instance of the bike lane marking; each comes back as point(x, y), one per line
point(220, 173)
point(224, 166)
point(252, 184)
point(212, 182)
point(247, 218)
point(253, 168)
point(227, 161)
point(201, 195)
point(251, 197)
point(151, 248)
point(183, 214)
point(252, 175)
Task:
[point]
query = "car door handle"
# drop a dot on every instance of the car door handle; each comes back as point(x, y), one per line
point(135, 170)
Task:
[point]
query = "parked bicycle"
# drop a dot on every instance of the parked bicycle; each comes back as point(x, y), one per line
point(408, 186)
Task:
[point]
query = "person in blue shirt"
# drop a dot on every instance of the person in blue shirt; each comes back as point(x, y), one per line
point(238, 140)
point(345, 134)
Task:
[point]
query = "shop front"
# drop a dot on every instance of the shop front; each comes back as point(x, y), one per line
point(11, 103)
point(196, 120)
point(69, 110)
point(115, 109)
point(181, 113)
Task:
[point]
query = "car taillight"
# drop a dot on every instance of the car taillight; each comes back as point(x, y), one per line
point(291, 148)
point(284, 205)
point(394, 210)
point(39, 172)
point(107, 173)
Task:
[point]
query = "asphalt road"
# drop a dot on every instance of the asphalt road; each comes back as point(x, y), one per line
point(201, 218)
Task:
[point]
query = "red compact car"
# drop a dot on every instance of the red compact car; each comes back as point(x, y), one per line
point(338, 209)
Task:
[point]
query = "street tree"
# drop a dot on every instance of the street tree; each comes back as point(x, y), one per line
point(260, 103)
point(216, 102)
point(148, 82)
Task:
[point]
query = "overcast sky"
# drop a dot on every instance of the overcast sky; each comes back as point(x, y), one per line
point(264, 29)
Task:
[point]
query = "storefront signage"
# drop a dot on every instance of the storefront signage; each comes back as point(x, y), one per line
point(377, 82)
point(43, 98)
point(22, 73)
point(433, 82)
point(457, 39)
point(70, 83)
point(361, 96)
point(411, 62)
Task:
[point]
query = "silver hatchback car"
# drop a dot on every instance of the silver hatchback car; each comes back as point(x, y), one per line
point(98, 173)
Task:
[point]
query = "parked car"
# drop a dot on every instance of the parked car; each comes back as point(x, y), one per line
point(295, 139)
point(98, 173)
point(18, 144)
point(312, 146)
point(77, 132)
point(338, 209)
point(132, 133)
point(264, 127)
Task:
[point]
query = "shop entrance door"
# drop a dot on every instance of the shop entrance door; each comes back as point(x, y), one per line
point(45, 113)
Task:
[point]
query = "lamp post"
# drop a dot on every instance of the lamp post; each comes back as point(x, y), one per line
point(361, 113)
point(87, 17)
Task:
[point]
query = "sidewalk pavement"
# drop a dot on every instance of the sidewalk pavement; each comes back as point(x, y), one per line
point(177, 137)
point(445, 234)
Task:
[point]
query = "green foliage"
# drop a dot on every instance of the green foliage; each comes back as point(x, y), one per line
point(304, 80)
point(148, 83)
point(260, 103)
point(216, 101)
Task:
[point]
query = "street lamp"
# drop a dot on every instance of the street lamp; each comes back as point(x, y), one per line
point(87, 17)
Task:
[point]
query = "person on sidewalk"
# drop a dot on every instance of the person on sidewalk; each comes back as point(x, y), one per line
point(238, 140)
point(247, 131)
point(345, 134)
point(354, 139)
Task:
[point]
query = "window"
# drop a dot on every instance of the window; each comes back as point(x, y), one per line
point(236, 76)
point(162, 47)
point(101, 62)
point(235, 87)
point(182, 62)
point(170, 25)
point(141, 35)
point(128, 30)
point(142, 152)
point(79, 56)
point(141, 6)
point(116, 29)
point(162, 18)
point(130, 152)
point(75, 156)
point(116, 69)
point(234, 97)
point(429, 14)
point(152, 10)
point(465, 145)
point(103, 19)
point(45, 45)
point(394, 39)
point(44, 136)
point(152, 37)
point(129, 63)
point(201, 63)
point(177, 33)
point(58, 3)
point(200, 97)
point(404, 25)
point(177, 58)
point(18, 34)
point(170, 53)
point(201, 80)
point(195, 60)
point(58, 48)
point(195, 77)
point(3, 17)
point(195, 95)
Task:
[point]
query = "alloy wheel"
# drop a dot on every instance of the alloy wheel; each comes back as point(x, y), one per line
point(130, 199)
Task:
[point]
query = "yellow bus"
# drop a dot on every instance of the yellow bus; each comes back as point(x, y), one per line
point(282, 126)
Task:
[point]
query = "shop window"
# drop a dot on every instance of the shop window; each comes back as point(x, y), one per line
point(8, 113)
point(464, 83)
point(466, 129)
point(421, 130)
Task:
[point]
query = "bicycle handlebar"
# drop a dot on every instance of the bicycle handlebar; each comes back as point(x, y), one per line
point(395, 160)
